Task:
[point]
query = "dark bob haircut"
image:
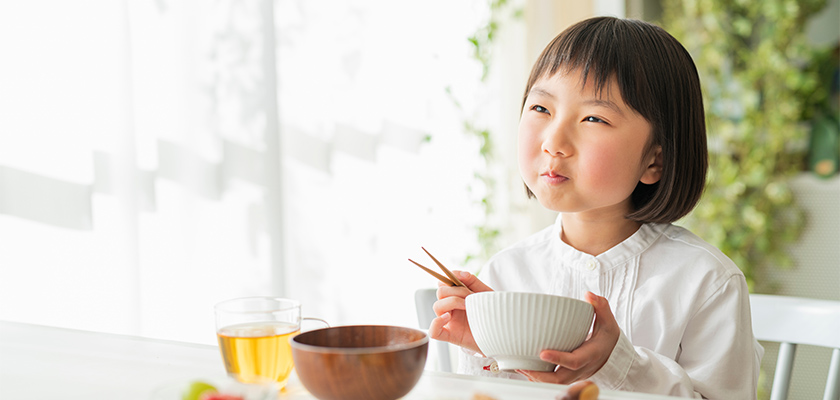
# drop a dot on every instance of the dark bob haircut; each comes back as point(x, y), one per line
point(657, 79)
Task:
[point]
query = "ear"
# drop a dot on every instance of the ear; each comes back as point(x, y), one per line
point(653, 172)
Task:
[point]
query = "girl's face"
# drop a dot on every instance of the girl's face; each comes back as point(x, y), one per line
point(581, 152)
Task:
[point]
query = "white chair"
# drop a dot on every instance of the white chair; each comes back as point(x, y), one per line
point(423, 300)
point(794, 320)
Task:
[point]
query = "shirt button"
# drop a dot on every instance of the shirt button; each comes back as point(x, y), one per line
point(591, 264)
point(494, 367)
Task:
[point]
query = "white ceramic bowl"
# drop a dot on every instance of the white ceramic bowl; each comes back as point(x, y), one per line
point(514, 328)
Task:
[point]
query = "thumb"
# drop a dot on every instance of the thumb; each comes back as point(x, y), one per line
point(603, 313)
point(593, 299)
point(472, 281)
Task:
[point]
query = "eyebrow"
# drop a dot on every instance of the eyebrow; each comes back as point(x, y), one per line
point(594, 102)
point(541, 92)
point(605, 103)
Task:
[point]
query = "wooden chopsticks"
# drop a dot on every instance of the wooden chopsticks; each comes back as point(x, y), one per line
point(450, 278)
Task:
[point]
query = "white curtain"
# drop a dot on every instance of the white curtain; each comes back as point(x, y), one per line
point(376, 164)
point(159, 156)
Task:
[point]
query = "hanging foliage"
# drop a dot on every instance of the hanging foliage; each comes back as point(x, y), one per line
point(482, 42)
point(752, 57)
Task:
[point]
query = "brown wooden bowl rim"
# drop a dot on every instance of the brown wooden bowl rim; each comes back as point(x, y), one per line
point(360, 350)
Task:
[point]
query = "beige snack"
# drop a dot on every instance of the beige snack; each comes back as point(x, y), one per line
point(583, 390)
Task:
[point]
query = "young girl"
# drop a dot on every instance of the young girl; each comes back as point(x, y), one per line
point(612, 136)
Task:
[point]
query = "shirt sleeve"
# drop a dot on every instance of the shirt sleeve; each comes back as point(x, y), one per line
point(719, 357)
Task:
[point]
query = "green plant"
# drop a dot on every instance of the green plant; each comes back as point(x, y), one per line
point(485, 184)
point(751, 56)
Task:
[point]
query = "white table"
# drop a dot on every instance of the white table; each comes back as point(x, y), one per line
point(39, 362)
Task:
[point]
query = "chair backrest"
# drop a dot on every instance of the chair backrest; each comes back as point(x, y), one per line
point(423, 301)
point(795, 320)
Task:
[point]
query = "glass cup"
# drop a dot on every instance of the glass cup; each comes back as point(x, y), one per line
point(254, 335)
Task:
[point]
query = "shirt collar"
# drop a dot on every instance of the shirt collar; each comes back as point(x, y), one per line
point(619, 254)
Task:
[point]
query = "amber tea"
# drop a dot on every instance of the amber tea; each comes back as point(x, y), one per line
point(259, 350)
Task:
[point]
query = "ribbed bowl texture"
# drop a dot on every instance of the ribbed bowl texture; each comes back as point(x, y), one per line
point(513, 328)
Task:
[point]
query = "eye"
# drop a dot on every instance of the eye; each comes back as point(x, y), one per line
point(594, 119)
point(539, 109)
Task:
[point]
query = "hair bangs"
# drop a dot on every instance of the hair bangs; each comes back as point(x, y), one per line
point(577, 50)
point(590, 48)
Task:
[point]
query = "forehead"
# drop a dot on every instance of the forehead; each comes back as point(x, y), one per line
point(577, 81)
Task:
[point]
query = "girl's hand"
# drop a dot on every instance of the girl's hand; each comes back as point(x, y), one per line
point(587, 359)
point(451, 310)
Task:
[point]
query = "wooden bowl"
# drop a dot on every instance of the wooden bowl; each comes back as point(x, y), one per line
point(364, 362)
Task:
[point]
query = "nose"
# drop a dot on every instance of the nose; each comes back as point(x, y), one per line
point(556, 140)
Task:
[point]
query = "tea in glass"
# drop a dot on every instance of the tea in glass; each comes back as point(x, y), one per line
point(254, 334)
point(254, 351)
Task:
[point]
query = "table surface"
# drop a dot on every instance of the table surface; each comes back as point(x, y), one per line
point(40, 362)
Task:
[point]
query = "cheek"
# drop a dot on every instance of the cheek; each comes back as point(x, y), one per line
point(611, 171)
point(528, 149)
point(598, 170)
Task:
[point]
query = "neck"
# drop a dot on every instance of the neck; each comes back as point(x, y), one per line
point(595, 236)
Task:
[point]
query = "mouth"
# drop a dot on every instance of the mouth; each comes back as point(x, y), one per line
point(553, 178)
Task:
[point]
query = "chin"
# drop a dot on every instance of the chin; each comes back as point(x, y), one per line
point(548, 204)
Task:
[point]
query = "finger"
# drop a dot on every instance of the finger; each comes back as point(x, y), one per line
point(446, 291)
point(472, 281)
point(449, 304)
point(548, 377)
point(601, 306)
point(604, 318)
point(582, 362)
point(437, 329)
point(526, 374)
point(571, 361)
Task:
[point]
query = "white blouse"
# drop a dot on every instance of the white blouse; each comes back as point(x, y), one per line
point(682, 305)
